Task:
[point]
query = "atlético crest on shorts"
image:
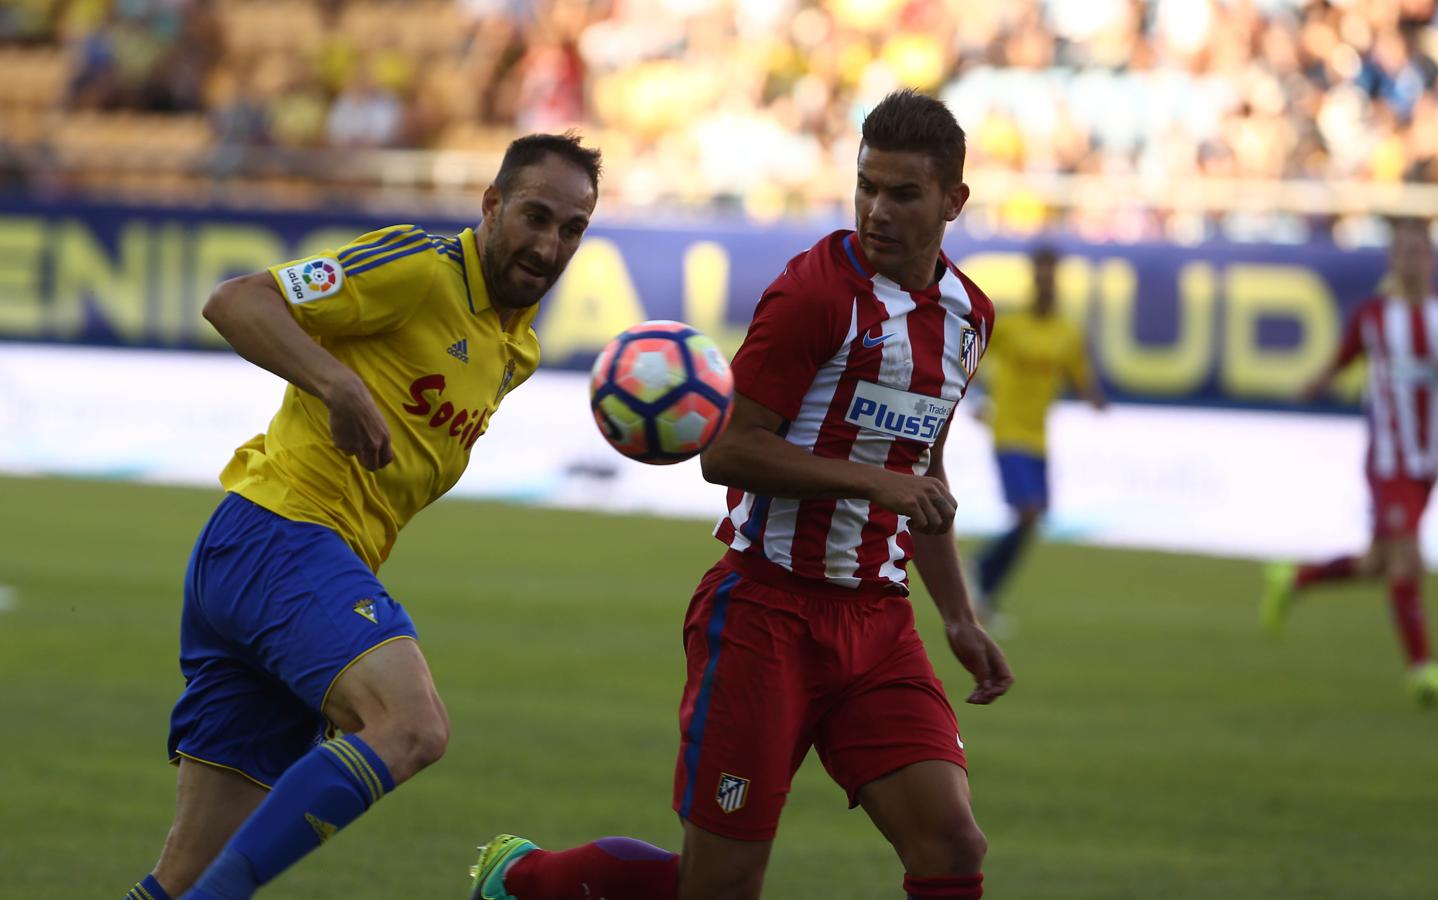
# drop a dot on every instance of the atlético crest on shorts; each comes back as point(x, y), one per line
point(969, 351)
point(732, 793)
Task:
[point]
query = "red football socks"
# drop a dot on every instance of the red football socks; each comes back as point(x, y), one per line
point(615, 868)
point(1340, 569)
point(947, 887)
point(1408, 616)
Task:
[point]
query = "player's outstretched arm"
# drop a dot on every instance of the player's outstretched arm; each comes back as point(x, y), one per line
point(751, 456)
point(251, 314)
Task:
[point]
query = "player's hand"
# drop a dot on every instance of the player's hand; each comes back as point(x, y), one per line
point(978, 653)
point(926, 501)
point(357, 426)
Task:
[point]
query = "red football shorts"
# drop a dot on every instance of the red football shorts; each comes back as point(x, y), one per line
point(772, 672)
point(1398, 505)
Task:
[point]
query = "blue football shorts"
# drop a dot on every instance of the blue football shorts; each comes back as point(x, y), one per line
point(274, 611)
point(1025, 478)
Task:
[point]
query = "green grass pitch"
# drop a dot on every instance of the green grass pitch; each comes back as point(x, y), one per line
point(1155, 745)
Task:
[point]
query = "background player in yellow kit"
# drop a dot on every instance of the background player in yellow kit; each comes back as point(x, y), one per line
point(1033, 357)
point(397, 348)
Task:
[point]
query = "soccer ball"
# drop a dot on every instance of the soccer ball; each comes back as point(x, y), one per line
point(661, 392)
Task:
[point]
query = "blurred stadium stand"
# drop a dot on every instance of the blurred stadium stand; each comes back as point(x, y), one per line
point(1175, 120)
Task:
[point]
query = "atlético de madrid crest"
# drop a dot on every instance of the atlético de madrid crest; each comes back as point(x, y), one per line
point(969, 351)
point(732, 793)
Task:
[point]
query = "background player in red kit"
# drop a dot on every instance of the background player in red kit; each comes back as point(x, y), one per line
point(1398, 335)
point(801, 635)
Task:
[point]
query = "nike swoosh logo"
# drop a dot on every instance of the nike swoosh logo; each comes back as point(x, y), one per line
point(874, 342)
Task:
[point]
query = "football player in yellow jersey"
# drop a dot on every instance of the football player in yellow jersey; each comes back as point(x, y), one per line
point(1033, 356)
point(397, 348)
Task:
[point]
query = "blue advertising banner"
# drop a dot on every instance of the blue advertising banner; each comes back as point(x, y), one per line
point(1219, 324)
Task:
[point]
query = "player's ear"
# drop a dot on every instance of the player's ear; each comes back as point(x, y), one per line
point(489, 205)
point(958, 195)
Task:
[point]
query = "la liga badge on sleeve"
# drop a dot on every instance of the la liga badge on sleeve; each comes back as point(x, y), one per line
point(312, 279)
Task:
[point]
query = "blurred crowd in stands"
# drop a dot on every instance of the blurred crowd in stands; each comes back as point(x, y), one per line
point(754, 104)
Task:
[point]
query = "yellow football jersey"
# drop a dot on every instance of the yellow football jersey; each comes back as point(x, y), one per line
point(409, 313)
point(1031, 360)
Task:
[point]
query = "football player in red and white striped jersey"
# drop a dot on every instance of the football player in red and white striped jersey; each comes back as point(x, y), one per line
point(1397, 333)
point(802, 634)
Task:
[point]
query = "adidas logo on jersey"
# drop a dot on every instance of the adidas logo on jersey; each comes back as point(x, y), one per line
point(460, 350)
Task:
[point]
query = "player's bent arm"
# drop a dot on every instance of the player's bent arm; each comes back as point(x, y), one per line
point(252, 315)
point(751, 456)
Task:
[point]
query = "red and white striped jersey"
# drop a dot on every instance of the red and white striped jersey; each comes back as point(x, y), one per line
point(860, 369)
point(1400, 341)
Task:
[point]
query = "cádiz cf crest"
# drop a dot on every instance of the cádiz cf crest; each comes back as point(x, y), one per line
point(504, 382)
point(365, 608)
point(732, 793)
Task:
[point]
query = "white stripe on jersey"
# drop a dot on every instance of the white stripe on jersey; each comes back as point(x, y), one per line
point(1430, 329)
point(1398, 332)
point(805, 428)
point(738, 516)
point(957, 304)
point(890, 569)
point(896, 370)
point(836, 536)
point(783, 514)
point(1385, 455)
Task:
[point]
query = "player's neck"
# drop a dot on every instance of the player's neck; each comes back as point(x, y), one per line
point(506, 315)
point(919, 276)
point(1413, 293)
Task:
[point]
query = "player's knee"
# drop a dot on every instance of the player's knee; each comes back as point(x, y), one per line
point(958, 850)
point(1403, 563)
point(419, 741)
point(431, 739)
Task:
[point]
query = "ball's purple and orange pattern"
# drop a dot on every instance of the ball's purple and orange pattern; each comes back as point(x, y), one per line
point(661, 392)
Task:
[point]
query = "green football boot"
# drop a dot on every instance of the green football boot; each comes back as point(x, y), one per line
point(1277, 596)
point(495, 858)
point(1423, 681)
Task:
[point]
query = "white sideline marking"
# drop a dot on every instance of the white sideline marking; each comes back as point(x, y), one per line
point(9, 598)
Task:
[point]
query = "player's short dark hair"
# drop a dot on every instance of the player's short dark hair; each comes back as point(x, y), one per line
point(533, 148)
point(910, 122)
